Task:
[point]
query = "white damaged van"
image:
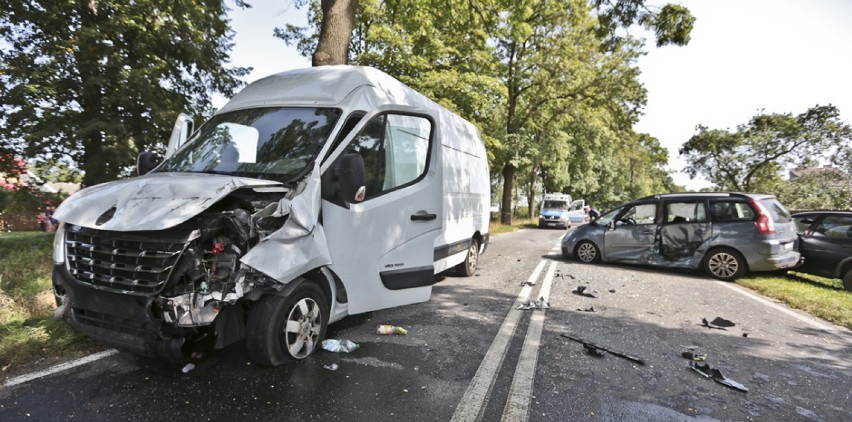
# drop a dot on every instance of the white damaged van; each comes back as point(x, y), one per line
point(312, 195)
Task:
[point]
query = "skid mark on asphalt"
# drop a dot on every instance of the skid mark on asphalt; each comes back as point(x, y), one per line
point(479, 390)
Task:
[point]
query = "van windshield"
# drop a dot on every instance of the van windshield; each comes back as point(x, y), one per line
point(555, 205)
point(266, 143)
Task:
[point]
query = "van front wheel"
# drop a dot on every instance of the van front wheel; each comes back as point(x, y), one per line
point(283, 329)
point(468, 267)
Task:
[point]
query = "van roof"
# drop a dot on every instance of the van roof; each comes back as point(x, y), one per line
point(323, 86)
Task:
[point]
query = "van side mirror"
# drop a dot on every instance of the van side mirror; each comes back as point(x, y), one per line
point(351, 178)
point(180, 132)
point(145, 162)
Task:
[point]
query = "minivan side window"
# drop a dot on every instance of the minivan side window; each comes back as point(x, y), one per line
point(685, 212)
point(640, 214)
point(728, 211)
point(395, 149)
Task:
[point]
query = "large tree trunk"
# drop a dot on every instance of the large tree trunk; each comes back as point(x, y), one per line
point(531, 191)
point(338, 18)
point(506, 206)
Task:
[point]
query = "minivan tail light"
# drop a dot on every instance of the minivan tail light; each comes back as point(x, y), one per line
point(765, 225)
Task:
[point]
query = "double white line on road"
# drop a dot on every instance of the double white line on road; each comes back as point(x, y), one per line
point(478, 392)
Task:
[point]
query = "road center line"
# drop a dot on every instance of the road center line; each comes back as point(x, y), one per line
point(58, 368)
point(473, 402)
point(520, 393)
point(537, 272)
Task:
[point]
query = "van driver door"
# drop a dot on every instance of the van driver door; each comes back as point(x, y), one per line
point(382, 247)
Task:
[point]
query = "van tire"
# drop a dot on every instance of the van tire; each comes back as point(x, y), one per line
point(725, 264)
point(471, 260)
point(847, 280)
point(587, 252)
point(305, 311)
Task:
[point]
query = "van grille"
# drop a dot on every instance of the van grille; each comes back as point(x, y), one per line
point(136, 264)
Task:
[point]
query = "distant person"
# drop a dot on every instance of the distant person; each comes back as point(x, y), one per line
point(49, 209)
point(591, 213)
point(42, 222)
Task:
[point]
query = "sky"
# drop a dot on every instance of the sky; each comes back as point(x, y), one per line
point(745, 57)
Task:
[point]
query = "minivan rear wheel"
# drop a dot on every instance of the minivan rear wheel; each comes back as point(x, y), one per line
point(725, 264)
point(847, 280)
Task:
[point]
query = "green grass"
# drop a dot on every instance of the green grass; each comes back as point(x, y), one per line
point(28, 332)
point(517, 224)
point(821, 297)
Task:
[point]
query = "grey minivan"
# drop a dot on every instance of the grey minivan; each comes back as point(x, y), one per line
point(726, 234)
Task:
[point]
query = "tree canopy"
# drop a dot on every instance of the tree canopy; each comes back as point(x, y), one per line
point(552, 84)
point(751, 157)
point(99, 81)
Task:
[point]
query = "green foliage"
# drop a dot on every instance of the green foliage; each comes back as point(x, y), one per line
point(749, 158)
point(817, 190)
point(100, 81)
point(552, 85)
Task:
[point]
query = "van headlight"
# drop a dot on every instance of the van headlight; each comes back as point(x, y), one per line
point(59, 244)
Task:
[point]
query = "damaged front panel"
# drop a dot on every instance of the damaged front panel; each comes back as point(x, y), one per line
point(184, 275)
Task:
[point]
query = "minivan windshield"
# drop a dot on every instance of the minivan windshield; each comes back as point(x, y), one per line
point(275, 143)
point(604, 219)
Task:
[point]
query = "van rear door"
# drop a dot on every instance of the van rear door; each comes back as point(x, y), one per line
point(382, 248)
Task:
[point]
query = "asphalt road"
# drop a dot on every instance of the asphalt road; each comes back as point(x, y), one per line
point(471, 354)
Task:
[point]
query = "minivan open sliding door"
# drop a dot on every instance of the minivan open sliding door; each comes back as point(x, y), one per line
point(382, 247)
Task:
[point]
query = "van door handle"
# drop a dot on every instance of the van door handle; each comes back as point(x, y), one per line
point(423, 216)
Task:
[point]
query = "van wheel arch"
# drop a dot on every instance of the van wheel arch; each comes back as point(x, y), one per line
point(470, 264)
point(288, 325)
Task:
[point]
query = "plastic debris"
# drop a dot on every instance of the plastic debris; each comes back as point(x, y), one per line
point(585, 291)
point(716, 375)
point(589, 309)
point(612, 290)
point(722, 322)
point(331, 367)
point(541, 303)
point(391, 329)
point(594, 351)
point(588, 344)
point(188, 368)
point(339, 346)
point(694, 356)
point(745, 334)
point(708, 324)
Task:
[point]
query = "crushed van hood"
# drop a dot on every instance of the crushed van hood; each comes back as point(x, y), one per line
point(152, 202)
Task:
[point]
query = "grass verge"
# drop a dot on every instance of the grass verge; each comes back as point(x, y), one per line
point(821, 297)
point(29, 336)
point(517, 223)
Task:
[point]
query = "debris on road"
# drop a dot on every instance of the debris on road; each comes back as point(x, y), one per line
point(331, 367)
point(391, 329)
point(589, 309)
point(339, 346)
point(588, 344)
point(594, 351)
point(188, 368)
point(541, 303)
point(717, 323)
point(722, 322)
point(716, 375)
point(694, 356)
point(612, 290)
point(585, 291)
